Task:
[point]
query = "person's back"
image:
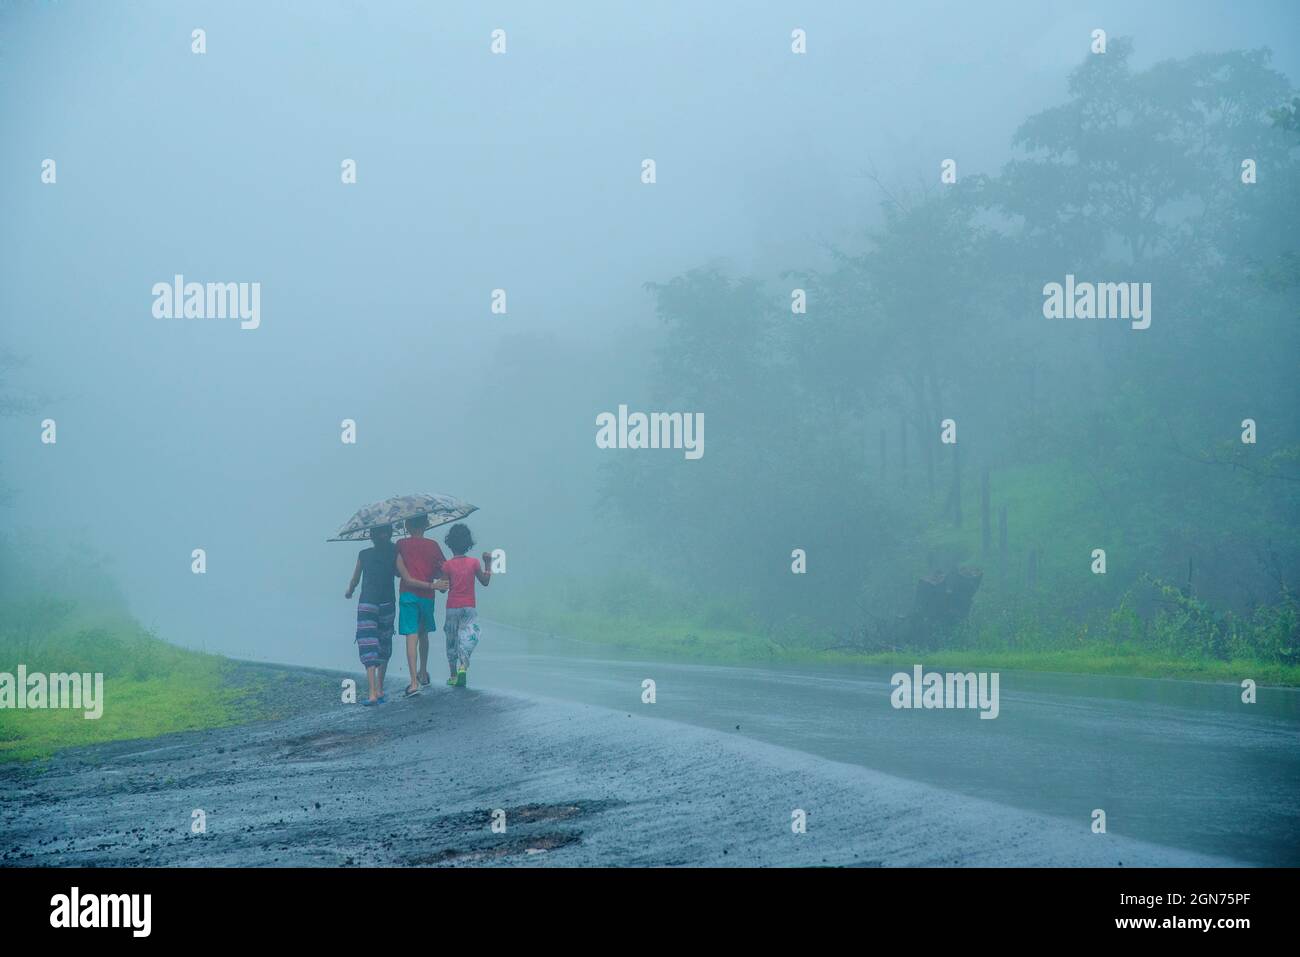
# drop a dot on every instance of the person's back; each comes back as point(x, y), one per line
point(375, 569)
point(378, 569)
point(419, 563)
point(460, 621)
point(423, 559)
point(460, 572)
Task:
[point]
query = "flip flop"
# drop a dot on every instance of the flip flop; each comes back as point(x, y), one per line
point(410, 692)
point(370, 704)
point(424, 679)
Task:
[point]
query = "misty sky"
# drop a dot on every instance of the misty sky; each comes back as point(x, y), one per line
point(474, 172)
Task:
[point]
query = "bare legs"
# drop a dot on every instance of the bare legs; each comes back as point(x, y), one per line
point(410, 663)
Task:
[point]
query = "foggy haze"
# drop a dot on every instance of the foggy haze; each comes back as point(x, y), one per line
point(474, 172)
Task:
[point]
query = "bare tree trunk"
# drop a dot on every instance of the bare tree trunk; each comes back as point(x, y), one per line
point(935, 401)
point(902, 450)
point(1033, 393)
point(1002, 534)
point(929, 467)
point(956, 485)
point(924, 426)
point(986, 523)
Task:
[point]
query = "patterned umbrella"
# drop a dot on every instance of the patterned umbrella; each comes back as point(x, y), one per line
point(441, 509)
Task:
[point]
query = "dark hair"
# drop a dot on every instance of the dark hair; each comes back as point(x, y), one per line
point(459, 540)
point(417, 522)
point(382, 536)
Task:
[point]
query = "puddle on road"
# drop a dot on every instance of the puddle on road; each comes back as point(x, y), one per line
point(325, 744)
point(472, 840)
point(494, 851)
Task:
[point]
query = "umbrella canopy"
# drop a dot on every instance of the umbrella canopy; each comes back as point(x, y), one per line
point(394, 511)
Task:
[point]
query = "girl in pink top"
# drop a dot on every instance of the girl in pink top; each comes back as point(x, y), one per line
point(460, 621)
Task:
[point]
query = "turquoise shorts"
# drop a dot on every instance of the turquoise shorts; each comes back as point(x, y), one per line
point(414, 614)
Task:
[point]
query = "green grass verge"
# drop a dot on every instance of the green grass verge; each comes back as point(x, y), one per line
point(694, 641)
point(150, 687)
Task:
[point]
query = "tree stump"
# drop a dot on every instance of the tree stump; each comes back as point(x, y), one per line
point(942, 601)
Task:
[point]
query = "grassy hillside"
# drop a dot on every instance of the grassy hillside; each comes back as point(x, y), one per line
point(150, 687)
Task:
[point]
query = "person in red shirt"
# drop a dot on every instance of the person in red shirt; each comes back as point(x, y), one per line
point(419, 563)
point(460, 623)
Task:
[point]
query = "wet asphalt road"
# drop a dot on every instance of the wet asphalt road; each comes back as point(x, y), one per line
point(1184, 764)
point(417, 782)
point(709, 774)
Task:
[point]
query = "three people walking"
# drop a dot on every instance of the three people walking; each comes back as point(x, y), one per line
point(423, 570)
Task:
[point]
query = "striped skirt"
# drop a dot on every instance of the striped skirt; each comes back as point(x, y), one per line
point(375, 632)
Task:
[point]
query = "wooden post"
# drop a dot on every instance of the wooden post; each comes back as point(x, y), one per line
point(902, 449)
point(956, 485)
point(1002, 533)
point(986, 522)
point(929, 469)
